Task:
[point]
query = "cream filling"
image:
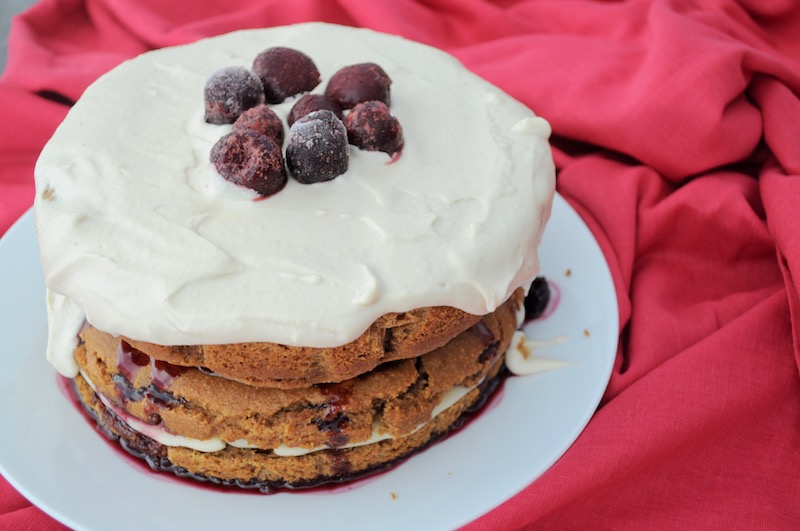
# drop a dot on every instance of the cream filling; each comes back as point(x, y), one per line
point(520, 359)
point(65, 320)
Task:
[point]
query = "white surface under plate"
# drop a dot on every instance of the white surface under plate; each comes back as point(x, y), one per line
point(57, 460)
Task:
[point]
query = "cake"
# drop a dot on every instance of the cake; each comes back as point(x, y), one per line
point(318, 328)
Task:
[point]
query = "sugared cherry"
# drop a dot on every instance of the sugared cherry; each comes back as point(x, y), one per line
point(310, 103)
point(354, 84)
point(371, 126)
point(317, 148)
point(250, 159)
point(229, 92)
point(261, 119)
point(285, 72)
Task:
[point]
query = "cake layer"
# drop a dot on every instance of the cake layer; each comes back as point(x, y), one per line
point(393, 400)
point(142, 238)
point(392, 337)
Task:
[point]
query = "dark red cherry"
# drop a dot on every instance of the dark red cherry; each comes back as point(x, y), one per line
point(310, 103)
point(317, 148)
point(371, 126)
point(285, 72)
point(250, 159)
point(229, 92)
point(357, 83)
point(261, 119)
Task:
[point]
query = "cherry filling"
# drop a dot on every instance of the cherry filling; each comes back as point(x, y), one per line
point(164, 373)
point(333, 426)
point(491, 344)
point(127, 390)
point(129, 361)
point(332, 420)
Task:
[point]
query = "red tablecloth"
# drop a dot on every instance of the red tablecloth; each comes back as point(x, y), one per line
point(677, 137)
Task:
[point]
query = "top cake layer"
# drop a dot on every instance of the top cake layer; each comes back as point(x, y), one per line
point(139, 233)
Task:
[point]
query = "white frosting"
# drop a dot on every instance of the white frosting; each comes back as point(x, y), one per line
point(520, 314)
point(65, 320)
point(143, 238)
point(520, 358)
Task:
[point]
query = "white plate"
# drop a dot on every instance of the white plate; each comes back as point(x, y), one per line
point(53, 456)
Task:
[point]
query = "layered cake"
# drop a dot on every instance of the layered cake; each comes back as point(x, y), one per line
point(288, 256)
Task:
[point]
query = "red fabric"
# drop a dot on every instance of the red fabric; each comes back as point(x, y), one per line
point(677, 138)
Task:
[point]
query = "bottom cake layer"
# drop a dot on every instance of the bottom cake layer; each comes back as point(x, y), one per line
point(266, 471)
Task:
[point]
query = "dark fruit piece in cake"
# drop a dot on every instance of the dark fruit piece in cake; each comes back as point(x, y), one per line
point(371, 126)
point(285, 72)
point(261, 119)
point(317, 148)
point(229, 92)
point(250, 159)
point(357, 83)
point(310, 103)
point(537, 298)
